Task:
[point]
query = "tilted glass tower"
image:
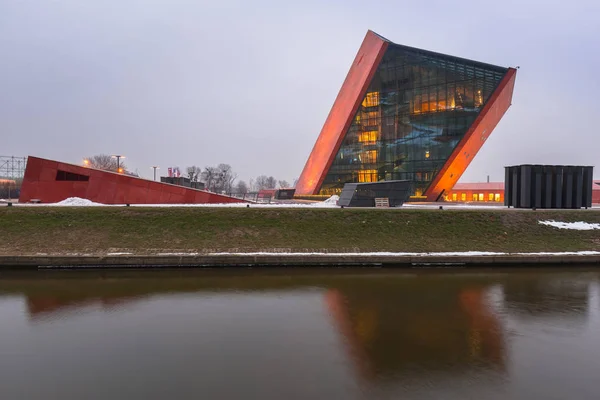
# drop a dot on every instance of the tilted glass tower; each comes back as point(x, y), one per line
point(407, 114)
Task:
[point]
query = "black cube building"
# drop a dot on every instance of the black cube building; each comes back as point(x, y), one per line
point(548, 186)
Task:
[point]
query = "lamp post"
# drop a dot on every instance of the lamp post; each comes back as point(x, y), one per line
point(155, 167)
point(118, 157)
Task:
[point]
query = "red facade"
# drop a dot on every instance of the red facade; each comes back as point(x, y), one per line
point(340, 117)
point(52, 181)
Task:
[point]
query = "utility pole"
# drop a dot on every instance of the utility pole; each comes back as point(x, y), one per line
point(155, 167)
point(118, 157)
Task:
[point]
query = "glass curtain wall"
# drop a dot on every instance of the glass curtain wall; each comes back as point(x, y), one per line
point(417, 108)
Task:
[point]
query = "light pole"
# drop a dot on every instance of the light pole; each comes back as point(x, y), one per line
point(155, 167)
point(118, 157)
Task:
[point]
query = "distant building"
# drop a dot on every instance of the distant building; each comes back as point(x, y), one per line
point(494, 192)
point(407, 114)
point(480, 192)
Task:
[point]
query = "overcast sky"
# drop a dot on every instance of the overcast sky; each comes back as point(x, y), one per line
point(250, 83)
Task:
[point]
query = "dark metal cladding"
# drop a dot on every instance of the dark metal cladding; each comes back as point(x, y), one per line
point(364, 194)
point(548, 186)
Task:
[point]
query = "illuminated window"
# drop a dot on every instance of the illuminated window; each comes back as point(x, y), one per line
point(370, 118)
point(497, 197)
point(491, 197)
point(367, 175)
point(369, 157)
point(452, 104)
point(478, 99)
point(454, 196)
point(371, 100)
point(481, 197)
point(368, 137)
point(475, 197)
point(463, 197)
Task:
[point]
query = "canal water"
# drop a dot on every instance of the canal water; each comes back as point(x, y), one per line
point(291, 334)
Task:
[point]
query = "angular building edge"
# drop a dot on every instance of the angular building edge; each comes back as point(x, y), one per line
point(349, 99)
point(471, 143)
point(41, 183)
point(340, 117)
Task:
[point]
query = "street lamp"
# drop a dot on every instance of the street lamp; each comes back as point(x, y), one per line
point(118, 157)
point(155, 167)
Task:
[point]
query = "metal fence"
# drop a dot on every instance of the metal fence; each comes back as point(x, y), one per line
point(252, 196)
point(12, 169)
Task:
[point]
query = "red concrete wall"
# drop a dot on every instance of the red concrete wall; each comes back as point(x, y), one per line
point(468, 147)
point(105, 187)
point(596, 196)
point(340, 117)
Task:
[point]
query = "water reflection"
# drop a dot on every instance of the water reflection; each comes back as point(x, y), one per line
point(316, 334)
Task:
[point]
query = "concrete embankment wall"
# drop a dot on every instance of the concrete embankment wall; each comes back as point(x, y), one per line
point(291, 260)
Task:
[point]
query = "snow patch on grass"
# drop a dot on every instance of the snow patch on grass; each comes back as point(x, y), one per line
point(77, 202)
point(400, 254)
point(578, 226)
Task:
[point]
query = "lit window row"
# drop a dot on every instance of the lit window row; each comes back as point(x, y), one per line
point(368, 175)
point(477, 197)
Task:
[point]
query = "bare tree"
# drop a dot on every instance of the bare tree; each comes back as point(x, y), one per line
point(104, 162)
point(271, 183)
point(283, 184)
point(227, 177)
point(194, 173)
point(265, 182)
point(219, 179)
point(209, 176)
point(241, 187)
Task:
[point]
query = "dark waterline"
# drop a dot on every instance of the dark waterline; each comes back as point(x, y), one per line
point(292, 334)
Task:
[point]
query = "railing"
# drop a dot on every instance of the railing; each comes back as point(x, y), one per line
point(252, 196)
point(382, 202)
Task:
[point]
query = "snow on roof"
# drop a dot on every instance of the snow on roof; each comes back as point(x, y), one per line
point(479, 186)
point(474, 186)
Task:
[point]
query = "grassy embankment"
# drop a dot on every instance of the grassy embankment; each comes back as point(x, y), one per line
point(97, 230)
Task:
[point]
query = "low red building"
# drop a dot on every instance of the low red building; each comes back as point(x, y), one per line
point(52, 181)
point(494, 192)
point(480, 192)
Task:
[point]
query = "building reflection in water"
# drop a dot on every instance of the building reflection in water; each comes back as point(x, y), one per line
point(395, 332)
point(546, 298)
point(393, 328)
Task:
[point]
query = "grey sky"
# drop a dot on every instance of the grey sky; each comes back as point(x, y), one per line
point(250, 83)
